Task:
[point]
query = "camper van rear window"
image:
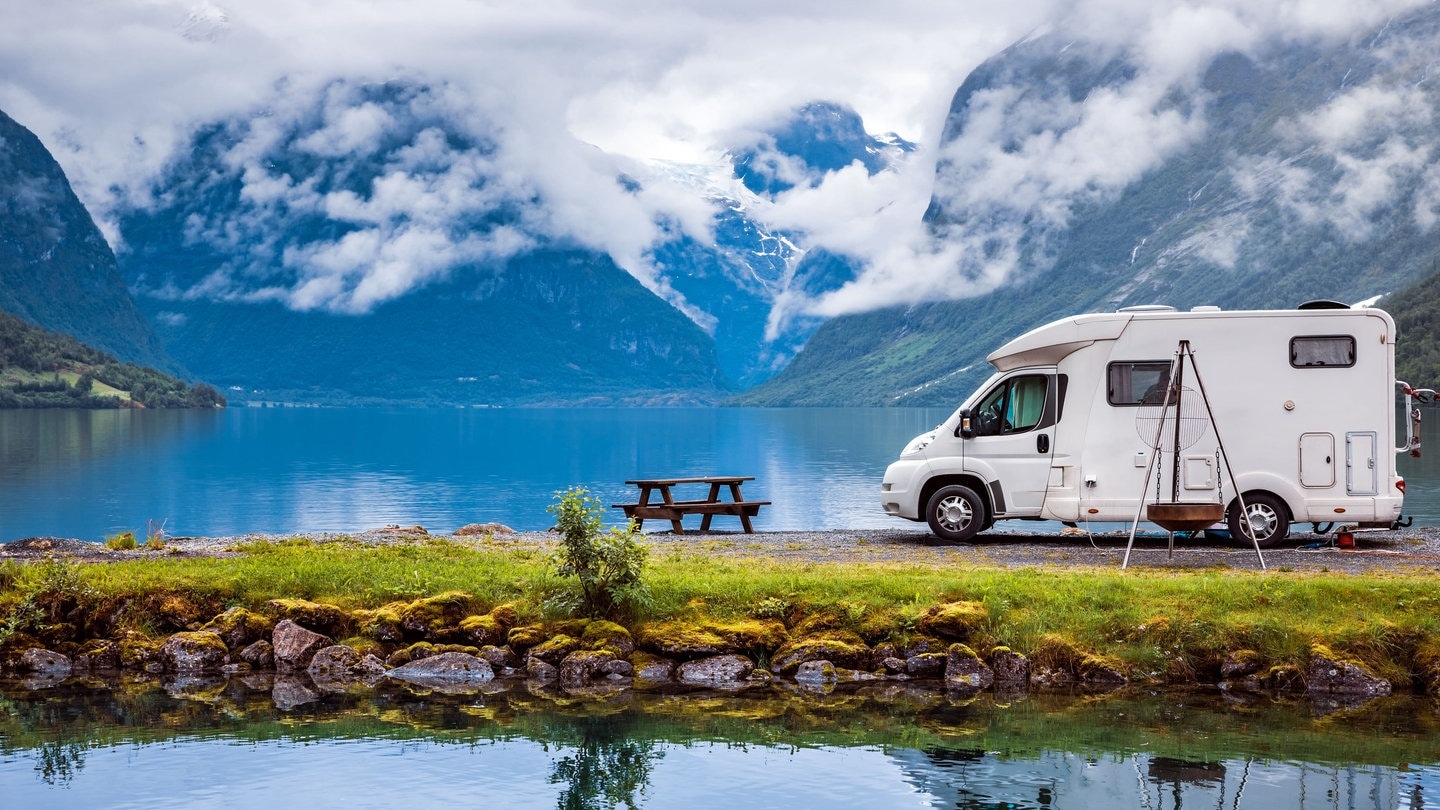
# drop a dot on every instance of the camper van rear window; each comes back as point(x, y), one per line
point(1327, 351)
point(1137, 383)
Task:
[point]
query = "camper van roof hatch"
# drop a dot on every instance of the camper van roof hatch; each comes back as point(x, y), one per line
point(1323, 304)
point(1147, 308)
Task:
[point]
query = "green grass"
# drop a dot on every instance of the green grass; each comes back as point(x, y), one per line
point(1152, 621)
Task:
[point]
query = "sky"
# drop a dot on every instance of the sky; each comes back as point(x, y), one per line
point(575, 90)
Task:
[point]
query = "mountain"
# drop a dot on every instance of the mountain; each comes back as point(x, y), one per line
point(56, 270)
point(1299, 170)
point(373, 245)
point(368, 248)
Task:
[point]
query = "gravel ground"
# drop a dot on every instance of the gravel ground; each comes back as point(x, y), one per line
point(1414, 550)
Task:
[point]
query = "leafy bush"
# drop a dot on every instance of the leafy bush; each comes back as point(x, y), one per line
point(608, 564)
point(124, 541)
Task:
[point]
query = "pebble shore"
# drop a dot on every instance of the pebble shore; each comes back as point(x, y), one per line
point(1401, 551)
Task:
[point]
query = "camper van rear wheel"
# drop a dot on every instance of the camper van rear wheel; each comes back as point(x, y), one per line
point(955, 513)
point(1266, 520)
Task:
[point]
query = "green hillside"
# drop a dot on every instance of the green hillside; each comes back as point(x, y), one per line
point(1416, 310)
point(43, 369)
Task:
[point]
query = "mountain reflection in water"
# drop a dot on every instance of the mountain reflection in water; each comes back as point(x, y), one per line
point(226, 743)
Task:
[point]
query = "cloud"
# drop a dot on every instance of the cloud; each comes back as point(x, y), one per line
point(573, 94)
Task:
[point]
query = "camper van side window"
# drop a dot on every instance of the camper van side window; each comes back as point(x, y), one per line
point(1139, 382)
point(1014, 406)
point(1333, 351)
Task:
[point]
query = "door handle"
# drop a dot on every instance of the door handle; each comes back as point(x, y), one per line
point(1042, 443)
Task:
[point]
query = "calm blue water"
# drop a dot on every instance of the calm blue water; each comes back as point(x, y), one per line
point(90, 474)
point(220, 745)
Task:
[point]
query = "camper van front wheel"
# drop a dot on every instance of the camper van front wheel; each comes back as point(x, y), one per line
point(1266, 520)
point(955, 513)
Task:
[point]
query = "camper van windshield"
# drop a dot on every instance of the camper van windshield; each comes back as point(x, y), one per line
point(1137, 383)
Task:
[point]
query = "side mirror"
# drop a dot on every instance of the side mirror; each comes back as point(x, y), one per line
point(966, 428)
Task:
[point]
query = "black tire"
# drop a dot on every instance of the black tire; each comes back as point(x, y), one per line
point(1268, 518)
point(956, 513)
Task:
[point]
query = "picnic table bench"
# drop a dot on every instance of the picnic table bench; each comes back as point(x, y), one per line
point(672, 510)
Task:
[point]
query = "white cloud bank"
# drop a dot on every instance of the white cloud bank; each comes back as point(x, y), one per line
point(571, 90)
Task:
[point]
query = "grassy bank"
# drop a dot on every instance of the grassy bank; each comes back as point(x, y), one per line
point(1174, 626)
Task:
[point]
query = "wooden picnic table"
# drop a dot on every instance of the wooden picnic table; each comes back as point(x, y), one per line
point(674, 510)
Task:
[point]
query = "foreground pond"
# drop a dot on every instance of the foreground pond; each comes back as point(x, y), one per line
point(196, 743)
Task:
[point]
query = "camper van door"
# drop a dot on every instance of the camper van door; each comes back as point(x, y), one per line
point(1014, 425)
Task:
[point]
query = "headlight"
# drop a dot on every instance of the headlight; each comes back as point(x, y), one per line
point(918, 443)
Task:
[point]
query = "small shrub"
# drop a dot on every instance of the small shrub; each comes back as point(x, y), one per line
point(155, 536)
point(608, 564)
point(124, 541)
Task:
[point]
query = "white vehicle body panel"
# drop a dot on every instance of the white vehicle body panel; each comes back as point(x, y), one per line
point(1321, 438)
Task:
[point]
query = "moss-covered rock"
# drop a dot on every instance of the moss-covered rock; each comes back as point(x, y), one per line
point(1330, 673)
point(421, 650)
point(1241, 663)
point(955, 621)
point(166, 610)
point(238, 627)
point(554, 650)
point(437, 617)
point(525, 636)
point(688, 640)
point(193, 652)
point(841, 648)
point(381, 624)
point(138, 650)
point(607, 636)
point(483, 630)
point(324, 619)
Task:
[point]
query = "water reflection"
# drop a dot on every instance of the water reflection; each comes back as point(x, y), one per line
point(159, 744)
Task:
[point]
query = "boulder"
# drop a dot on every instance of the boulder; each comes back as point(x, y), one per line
point(294, 646)
point(46, 663)
point(447, 672)
point(481, 529)
point(484, 630)
point(583, 666)
point(339, 667)
point(259, 654)
point(98, 655)
point(238, 627)
point(926, 665)
point(816, 673)
point(1329, 674)
point(325, 619)
point(609, 636)
point(1240, 664)
point(554, 651)
point(719, 670)
point(500, 658)
point(1011, 668)
point(191, 653)
point(541, 673)
point(840, 648)
point(965, 671)
point(436, 618)
point(652, 668)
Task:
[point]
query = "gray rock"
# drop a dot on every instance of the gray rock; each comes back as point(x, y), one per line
point(1010, 668)
point(540, 673)
point(719, 670)
point(618, 668)
point(583, 666)
point(260, 655)
point(965, 671)
point(46, 663)
point(655, 670)
point(1328, 676)
point(193, 653)
point(894, 666)
point(500, 657)
point(816, 672)
point(295, 646)
point(926, 665)
point(450, 671)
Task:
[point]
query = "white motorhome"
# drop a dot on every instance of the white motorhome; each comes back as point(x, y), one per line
point(1296, 408)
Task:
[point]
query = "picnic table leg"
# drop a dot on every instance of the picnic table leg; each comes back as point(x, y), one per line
point(644, 501)
point(714, 498)
point(669, 501)
point(744, 517)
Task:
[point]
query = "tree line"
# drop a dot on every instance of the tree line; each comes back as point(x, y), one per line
point(38, 352)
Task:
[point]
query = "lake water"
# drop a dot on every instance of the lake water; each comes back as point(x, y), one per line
point(90, 474)
point(218, 744)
